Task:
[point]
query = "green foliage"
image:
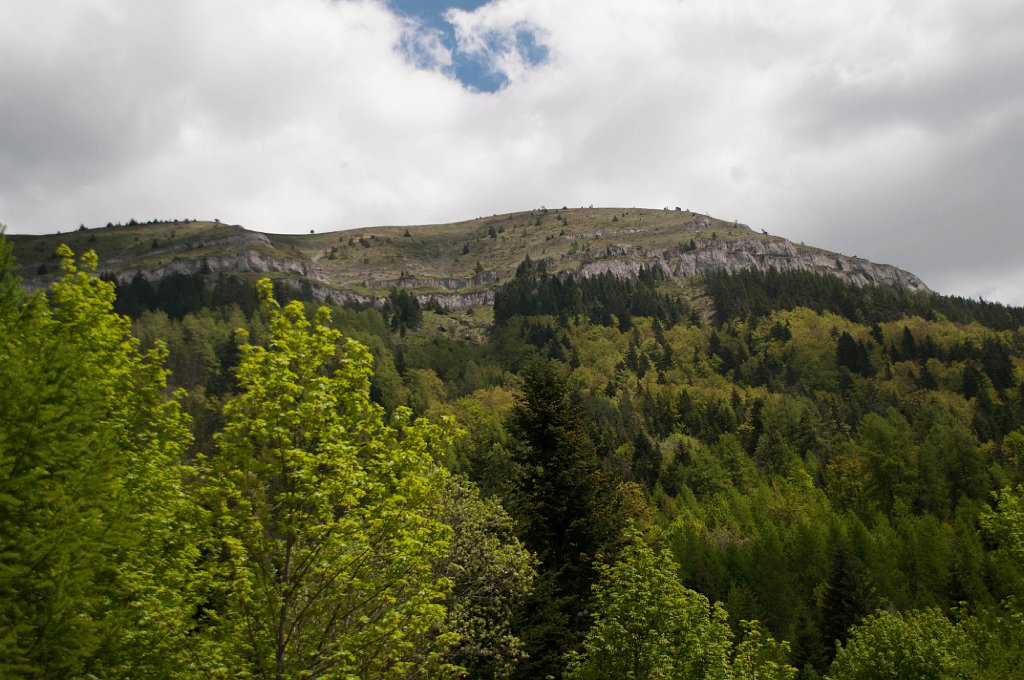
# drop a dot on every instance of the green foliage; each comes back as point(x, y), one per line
point(600, 298)
point(997, 637)
point(917, 644)
point(180, 294)
point(755, 294)
point(761, 445)
point(98, 541)
point(1005, 522)
point(848, 595)
point(648, 625)
point(568, 508)
point(804, 464)
point(567, 503)
point(404, 311)
point(759, 656)
point(492, 573)
point(325, 515)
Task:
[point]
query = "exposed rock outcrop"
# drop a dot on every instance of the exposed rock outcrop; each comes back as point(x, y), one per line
point(363, 265)
point(749, 254)
point(325, 293)
point(689, 259)
point(447, 283)
point(457, 301)
point(245, 260)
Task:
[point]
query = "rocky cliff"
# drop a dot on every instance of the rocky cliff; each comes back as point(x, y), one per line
point(457, 265)
point(708, 256)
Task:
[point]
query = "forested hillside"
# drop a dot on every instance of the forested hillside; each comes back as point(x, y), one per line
point(773, 475)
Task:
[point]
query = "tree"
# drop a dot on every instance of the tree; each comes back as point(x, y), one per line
point(569, 510)
point(647, 625)
point(405, 309)
point(492, 573)
point(852, 355)
point(920, 644)
point(760, 657)
point(848, 595)
point(647, 460)
point(1005, 522)
point(98, 540)
point(326, 515)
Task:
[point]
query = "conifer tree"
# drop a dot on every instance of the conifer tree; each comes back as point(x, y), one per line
point(569, 510)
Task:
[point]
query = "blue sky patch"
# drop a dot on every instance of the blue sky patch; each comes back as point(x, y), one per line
point(474, 70)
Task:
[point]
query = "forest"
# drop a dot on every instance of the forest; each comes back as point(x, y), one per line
point(213, 477)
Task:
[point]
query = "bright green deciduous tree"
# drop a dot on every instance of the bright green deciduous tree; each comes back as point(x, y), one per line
point(326, 514)
point(760, 657)
point(648, 625)
point(1005, 523)
point(921, 644)
point(97, 539)
point(1001, 631)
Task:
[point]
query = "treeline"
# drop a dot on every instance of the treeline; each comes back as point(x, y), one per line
point(134, 222)
point(754, 294)
point(181, 294)
point(604, 299)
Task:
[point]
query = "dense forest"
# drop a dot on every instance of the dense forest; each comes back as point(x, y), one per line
point(210, 477)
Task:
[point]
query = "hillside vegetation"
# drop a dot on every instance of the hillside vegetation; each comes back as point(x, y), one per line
point(460, 264)
point(772, 472)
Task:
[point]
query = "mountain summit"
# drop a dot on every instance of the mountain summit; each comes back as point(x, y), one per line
point(456, 265)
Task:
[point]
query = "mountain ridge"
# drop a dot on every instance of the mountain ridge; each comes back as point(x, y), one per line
point(457, 264)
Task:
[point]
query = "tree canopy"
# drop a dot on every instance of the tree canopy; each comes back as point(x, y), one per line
point(824, 478)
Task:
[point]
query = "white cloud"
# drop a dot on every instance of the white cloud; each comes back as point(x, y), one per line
point(424, 48)
point(506, 42)
point(884, 129)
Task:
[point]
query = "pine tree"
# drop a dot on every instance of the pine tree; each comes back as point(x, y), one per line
point(569, 509)
point(848, 596)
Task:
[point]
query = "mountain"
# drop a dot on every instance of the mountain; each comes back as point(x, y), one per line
point(457, 265)
point(806, 451)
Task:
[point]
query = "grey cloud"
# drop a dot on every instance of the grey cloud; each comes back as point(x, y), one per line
point(949, 221)
point(891, 131)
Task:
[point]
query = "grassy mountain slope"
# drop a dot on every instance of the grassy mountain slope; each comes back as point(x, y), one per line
point(460, 263)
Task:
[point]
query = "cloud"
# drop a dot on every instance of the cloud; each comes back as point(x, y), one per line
point(507, 45)
point(883, 129)
point(424, 47)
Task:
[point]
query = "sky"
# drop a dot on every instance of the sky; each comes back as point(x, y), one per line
point(891, 130)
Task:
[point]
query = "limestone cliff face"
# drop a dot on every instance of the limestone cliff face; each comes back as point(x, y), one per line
point(456, 301)
point(434, 264)
point(324, 293)
point(453, 301)
point(447, 283)
point(244, 261)
point(686, 260)
point(749, 254)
